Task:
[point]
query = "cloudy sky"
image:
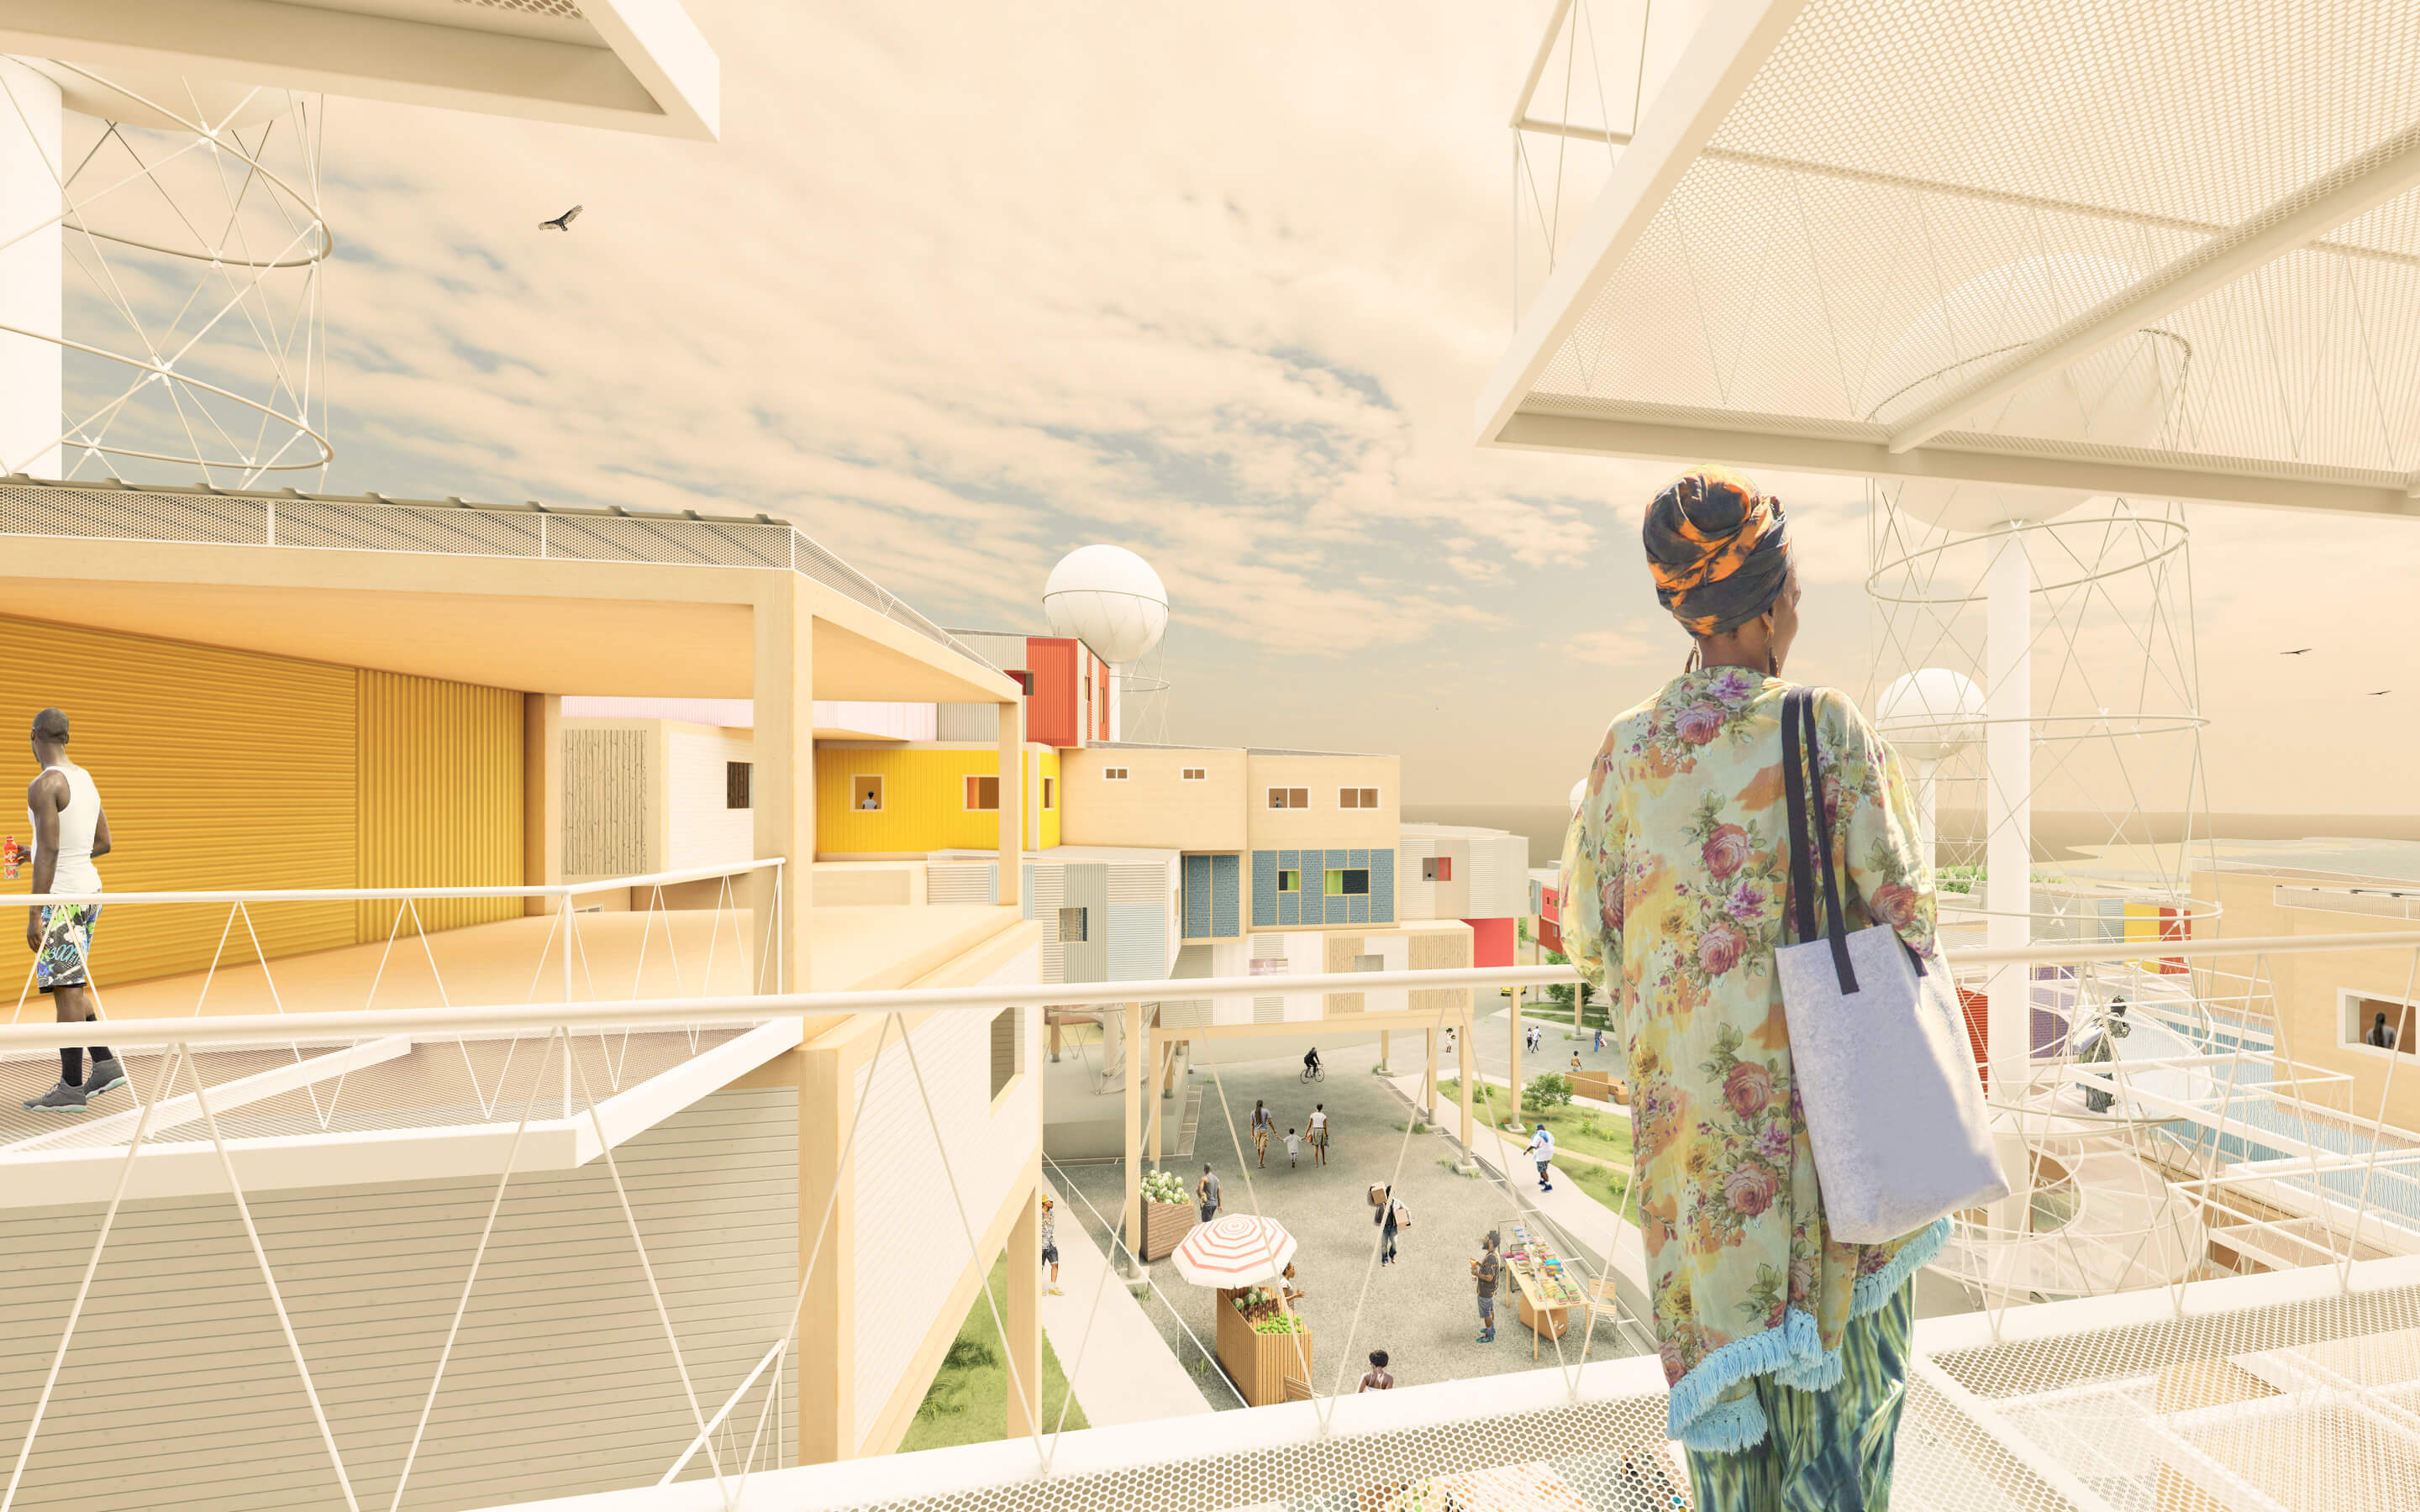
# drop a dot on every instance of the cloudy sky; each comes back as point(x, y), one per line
point(964, 287)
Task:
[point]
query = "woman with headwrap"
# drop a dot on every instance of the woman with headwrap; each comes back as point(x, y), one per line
point(1785, 1350)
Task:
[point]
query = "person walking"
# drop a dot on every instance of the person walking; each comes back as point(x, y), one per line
point(1319, 1134)
point(1205, 1192)
point(1486, 1271)
point(1051, 1243)
point(1785, 1353)
point(1541, 1150)
point(1293, 1149)
point(1262, 1126)
point(1598, 1048)
point(70, 830)
point(1392, 1217)
point(1375, 1378)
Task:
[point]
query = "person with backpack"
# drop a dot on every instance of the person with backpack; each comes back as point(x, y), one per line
point(1392, 1217)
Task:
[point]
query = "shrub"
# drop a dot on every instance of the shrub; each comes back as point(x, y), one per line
point(1548, 1091)
point(1163, 1186)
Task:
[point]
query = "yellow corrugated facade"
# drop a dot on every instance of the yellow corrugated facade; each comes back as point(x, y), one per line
point(235, 770)
point(441, 796)
point(923, 798)
point(218, 769)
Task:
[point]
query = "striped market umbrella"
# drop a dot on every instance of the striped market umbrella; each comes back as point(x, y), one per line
point(1237, 1250)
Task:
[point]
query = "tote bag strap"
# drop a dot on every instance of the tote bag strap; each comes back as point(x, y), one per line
point(1797, 712)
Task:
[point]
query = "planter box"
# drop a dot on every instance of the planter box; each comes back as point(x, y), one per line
point(1164, 1226)
point(1602, 1086)
point(1259, 1363)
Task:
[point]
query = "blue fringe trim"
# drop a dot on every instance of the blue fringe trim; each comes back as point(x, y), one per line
point(1793, 1354)
point(1820, 1374)
point(1872, 1292)
point(1699, 1421)
point(1727, 1428)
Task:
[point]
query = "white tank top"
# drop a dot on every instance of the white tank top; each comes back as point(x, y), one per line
point(75, 871)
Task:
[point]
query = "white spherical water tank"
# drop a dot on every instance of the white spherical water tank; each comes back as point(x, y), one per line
point(1108, 598)
point(2121, 395)
point(1579, 791)
point(1931, 713)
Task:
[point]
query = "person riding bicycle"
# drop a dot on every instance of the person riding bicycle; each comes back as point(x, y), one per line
point(1311, 1061)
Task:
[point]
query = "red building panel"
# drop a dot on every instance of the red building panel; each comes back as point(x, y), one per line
point(1491, 942)
point(1051, 712)
point(1550, 930)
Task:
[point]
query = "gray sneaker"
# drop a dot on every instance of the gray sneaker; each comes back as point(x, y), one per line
point(107, 1076)
point(59, 1099)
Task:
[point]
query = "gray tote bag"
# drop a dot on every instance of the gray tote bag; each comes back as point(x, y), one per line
point(1894, 1107)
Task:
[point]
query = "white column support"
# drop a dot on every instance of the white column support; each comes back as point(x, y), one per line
point(2008, 788)
point(1011, 816)
point(33, 390)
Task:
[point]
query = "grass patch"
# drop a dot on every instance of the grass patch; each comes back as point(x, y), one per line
point(1584, 1130)
point(1605, 1184)
point(968, 1402)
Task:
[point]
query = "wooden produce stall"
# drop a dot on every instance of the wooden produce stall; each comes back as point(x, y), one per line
point(1259, 1363)
point(1543, 1294)
point(1164, 1226)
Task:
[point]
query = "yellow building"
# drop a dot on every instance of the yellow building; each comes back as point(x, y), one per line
point(883, 800)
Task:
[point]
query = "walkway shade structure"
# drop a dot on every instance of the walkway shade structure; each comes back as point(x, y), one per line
point(2220, 190)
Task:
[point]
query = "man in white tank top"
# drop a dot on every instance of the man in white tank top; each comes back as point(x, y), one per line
point(69, 828)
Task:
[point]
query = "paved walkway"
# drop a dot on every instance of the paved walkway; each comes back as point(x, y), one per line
point(1420, 1310)
point(1120, 1368)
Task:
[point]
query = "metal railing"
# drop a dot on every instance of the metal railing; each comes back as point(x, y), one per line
point(212, 516)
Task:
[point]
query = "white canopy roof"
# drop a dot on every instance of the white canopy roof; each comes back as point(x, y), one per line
point(1896, 238)
point(632, 65)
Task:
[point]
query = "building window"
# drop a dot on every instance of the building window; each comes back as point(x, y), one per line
point(1357, 797)
point(983, 793)
point(1289, 882)
point(1071, 926)
point(1197, 774)
point(1436, 869)
point(1369, 963)
point(865, 793)
point(1113, 773)
point(735, 783)
point(1050, 793)
point(1348, 882)
point(1007, 1050)
point(1289, 797)
point(2362, 1025)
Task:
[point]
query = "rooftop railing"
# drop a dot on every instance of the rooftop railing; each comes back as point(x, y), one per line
point(1988, 1388)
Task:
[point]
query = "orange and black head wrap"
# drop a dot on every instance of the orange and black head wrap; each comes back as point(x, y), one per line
point(1717, 549)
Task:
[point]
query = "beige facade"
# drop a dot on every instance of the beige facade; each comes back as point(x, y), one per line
point(1323, 781)
point(2322, 998)
point(1157, 804)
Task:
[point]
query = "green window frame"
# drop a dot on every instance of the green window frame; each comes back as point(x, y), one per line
point(1289, 881)
point(1348, 882)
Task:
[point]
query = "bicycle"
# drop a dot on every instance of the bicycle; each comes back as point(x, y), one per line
point(1316, 1074)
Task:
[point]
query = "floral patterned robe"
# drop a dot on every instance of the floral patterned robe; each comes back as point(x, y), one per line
point(1675, 892)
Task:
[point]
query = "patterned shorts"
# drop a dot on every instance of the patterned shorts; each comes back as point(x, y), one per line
point(67, 944)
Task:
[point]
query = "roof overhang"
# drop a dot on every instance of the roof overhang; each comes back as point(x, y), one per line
point(626, 65)
point(1765, 276)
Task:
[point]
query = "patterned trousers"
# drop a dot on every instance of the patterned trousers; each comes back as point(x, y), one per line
point(1826, 1451)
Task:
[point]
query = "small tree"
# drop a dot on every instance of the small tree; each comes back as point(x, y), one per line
point(1549, 1090)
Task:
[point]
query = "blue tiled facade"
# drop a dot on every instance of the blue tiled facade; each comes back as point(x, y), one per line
point(1309, 904)
point(1214, 897)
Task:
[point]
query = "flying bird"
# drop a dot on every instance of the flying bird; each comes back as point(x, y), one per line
point(2382, 692)
point(563, 222)
point(2293, 653)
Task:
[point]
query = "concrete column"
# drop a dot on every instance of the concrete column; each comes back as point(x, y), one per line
point(783, 785)
point(827, 1348)
point(32, 371)
point(1429, 1076)
point(1469, 1056)
point(1021, 1311)
point(2008, 788)
point(1163, 1056)
point(1383, 1037)
point(541, 796)
point(1011, 803)
point(1138, 1072)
